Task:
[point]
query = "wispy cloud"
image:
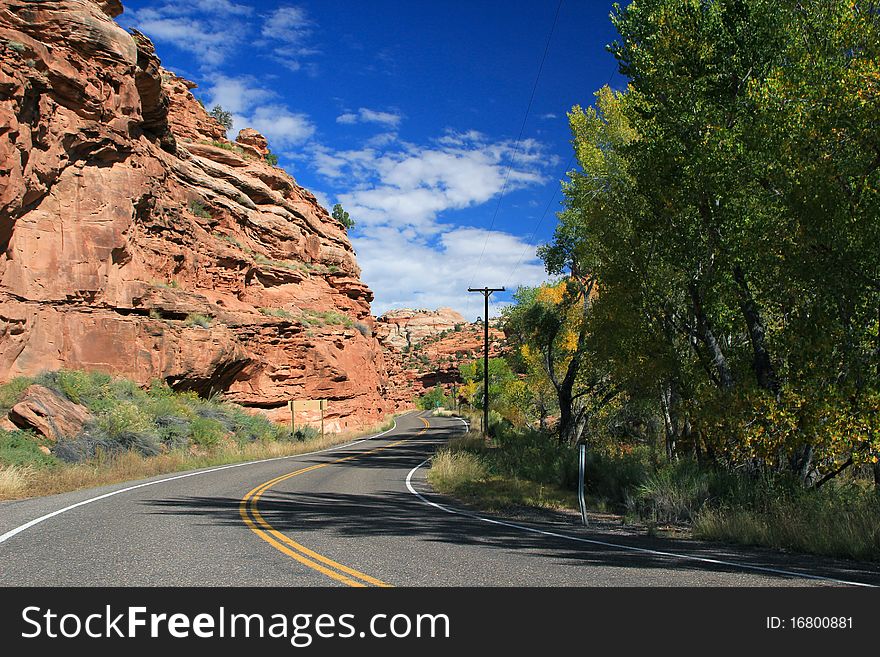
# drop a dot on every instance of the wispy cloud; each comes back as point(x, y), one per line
point(210, 30)
point(289, 29)
point(402, 184)
point(255, 106)
point(365, 115)
point(402, 194)
point(214, 31)
point(407, 271)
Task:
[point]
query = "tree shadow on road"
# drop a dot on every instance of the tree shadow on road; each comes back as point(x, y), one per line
point(318, 517)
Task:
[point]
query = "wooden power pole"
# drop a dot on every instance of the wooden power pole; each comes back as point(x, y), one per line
point(486, 292)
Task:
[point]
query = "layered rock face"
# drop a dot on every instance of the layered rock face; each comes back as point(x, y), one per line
point(137, 240)
point(426, 348)
point(406, 327)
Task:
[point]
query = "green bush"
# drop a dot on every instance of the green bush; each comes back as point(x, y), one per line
point(206, 432)
point(305, 432)
point(23, 448)
point(676, 492)
point(198, 209)
point(196, 319)
point(272, 159)
point(276, 312)
point(10, 393)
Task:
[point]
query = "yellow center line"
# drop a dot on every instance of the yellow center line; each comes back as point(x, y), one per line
point(260, 526)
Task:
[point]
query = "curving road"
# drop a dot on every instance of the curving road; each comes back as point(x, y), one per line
point(357, 515)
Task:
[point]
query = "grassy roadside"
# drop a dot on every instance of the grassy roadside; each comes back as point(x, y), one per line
point(480, 474)
point(528, 469)
point(139, 433)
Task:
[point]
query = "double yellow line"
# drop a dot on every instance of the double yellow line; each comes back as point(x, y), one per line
point(250, 513)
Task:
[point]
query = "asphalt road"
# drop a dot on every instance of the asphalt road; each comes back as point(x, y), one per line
point(360, 514)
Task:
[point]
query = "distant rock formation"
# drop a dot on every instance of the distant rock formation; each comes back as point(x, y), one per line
point(136, 239)
point(426, 348)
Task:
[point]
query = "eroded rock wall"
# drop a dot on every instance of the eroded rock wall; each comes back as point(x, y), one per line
point(137, 240)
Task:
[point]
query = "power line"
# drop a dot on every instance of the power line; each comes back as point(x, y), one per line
point(537, 226)
point(517, 144)
point(549, 203)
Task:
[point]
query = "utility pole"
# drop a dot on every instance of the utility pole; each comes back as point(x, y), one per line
point(486, 292)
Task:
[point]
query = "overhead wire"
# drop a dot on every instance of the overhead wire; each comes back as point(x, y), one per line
point(517, 144)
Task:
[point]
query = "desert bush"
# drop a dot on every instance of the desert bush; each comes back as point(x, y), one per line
point(195, 319)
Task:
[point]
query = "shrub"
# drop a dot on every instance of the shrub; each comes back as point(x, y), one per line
point(18, 47)
point(20, 448)
point(90, 389)
point(254, 427)
point(206, 431)
point(198, 209)
point(196, 319)
point(324, 318)
point(10, 393)
point(272, 159)
point(276, 312)
point(450, 470)
point(305, 432)
point(676, 492)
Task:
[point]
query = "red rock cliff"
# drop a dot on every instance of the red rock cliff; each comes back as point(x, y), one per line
point(135, 239)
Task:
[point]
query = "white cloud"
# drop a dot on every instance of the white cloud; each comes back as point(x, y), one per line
point(549, 116)
point(288, 29)
point(366, 115)
point(402, 185)
point(283, 128)
point(210, 30)
point(213, 31)
point(236, 94)
point(253, 106)
point(405, 271)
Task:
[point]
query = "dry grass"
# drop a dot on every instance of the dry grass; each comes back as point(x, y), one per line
point(13, 481)
point(464, 475)
point(18, 482)
point(851, 530)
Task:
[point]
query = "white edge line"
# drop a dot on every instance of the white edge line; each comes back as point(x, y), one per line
point(579, 539)
point(36, 521)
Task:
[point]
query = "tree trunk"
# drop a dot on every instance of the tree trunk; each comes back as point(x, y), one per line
point(800, 462)
point(705, 333)
point(670, 420)
point(761, 362)
point(876, 469)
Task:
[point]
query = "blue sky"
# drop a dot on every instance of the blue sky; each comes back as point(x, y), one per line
point(409, 114)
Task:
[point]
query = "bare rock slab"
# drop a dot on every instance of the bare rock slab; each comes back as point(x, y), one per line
point(46, 412)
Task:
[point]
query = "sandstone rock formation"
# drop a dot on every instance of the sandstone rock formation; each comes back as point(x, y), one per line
point(47, 413)
point(137, 240)
point(426, 348)
point(406, 327)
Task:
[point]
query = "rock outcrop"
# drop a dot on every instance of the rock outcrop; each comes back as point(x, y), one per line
point(137, 240)
point(405, 327)
point(426, 348)
point(49, 414)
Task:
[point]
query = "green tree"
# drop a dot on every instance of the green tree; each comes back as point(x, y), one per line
point(342, 216)
point(223, 117)
point(434, 398)
point(727, 207)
